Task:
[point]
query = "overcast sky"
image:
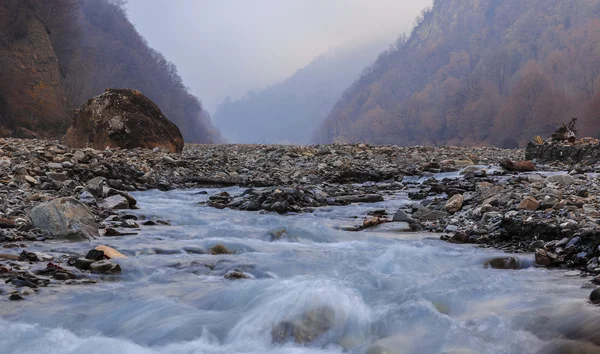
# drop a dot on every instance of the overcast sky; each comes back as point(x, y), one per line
point(227, 47)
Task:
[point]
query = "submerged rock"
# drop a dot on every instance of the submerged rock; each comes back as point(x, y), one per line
point(219, 249)
point(504, 263)
point(236, 274)
point(307, 329)
point(65, 218)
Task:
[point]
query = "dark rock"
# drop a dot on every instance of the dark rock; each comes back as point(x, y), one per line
point(95, 255)
point(369, 198)
point(518, 166)
point(105, 266)
point(543, 257)
point(110, 232)
point(236, 274)
point(504, 263)
point(595, 296)
point(121, 118)
point(7, 224)
point(84, 263)
point(219, 249)
point(401, 216)
point(280, 207)
point(16, 297)
point(63, 276)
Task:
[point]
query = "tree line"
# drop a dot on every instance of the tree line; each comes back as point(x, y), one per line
point(479, 72)
point(96, 47)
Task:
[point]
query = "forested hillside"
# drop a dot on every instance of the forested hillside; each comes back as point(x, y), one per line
point(290, 111)
point(479, 72)
point(56, 54)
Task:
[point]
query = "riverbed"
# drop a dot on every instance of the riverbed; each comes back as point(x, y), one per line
point(404, 293)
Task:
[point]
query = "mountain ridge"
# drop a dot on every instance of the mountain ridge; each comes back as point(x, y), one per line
point(477, 72)
point(290, 110)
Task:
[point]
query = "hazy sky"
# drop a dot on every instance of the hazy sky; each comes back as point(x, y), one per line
point(227, 47)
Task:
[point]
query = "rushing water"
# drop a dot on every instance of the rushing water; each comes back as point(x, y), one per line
point(410, 293)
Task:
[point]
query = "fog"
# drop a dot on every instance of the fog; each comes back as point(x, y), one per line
point(227, 47)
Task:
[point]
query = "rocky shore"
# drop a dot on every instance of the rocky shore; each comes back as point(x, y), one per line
point(51, 193)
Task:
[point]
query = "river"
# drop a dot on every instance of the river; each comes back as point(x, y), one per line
point(409, 293)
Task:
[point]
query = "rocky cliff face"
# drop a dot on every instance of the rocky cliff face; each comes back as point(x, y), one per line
point(30, 79)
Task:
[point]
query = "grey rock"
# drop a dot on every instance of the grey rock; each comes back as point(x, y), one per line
point(57, 176)
point(425, 214)
point(563, 180)
point(401, 216)
point(391, 227)
point(115, 202)
point(55, 166)
point(96, 186)
point(65, 219)
point(105, 267)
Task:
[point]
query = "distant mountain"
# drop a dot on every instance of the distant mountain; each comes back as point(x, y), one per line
point(55, 54)
point(479, 72)
point(289, 111)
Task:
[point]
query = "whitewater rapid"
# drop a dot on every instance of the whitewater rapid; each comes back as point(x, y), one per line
point(410, 293)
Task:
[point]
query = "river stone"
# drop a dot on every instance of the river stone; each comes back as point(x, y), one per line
point(542, 257)
point(96, 186)
point(219, 249)
point(306, 330)
point(115, 202)
point(504, 263)
point(391, 227)
point(7, 224)
point(105, 267)
point(528, 203)
point(368, 198)
point(425, 214)
point(83, 263)
point(563, 180)
point(65, 219)
point(57, 176)
point(401, 216)
point(595, 296)
point(455, 203)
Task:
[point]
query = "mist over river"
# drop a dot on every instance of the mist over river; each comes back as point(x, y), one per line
point(366, 292)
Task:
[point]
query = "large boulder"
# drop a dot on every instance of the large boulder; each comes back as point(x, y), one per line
point(122, 118)
point(64, 218)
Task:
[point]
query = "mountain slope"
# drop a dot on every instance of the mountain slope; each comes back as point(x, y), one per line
point(289, 111)
point(56, 54)
point(478, 72)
